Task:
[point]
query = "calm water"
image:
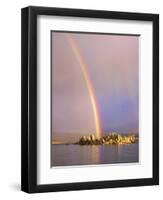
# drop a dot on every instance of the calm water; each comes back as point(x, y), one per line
point(67, 155)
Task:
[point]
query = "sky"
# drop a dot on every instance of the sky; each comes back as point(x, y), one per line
point(112, 65)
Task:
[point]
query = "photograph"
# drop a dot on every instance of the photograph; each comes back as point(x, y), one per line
point(94, 98)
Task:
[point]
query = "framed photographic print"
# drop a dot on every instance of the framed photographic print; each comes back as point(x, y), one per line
point(90, 99)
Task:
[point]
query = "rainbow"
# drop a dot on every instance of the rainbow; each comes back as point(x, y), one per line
point(90, 87)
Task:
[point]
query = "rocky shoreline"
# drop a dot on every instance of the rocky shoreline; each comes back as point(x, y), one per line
point(110, 139)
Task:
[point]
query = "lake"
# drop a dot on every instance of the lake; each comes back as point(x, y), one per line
point(69, 155)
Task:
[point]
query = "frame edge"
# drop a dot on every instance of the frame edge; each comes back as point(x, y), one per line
point(24, 99)
point(156, 99)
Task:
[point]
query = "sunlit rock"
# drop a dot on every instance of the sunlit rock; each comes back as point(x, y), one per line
point(113, 138)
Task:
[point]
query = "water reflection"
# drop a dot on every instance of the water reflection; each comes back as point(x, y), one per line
point(68, 155)
point(95, 154)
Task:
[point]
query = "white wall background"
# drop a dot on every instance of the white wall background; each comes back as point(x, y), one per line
point(10, 86)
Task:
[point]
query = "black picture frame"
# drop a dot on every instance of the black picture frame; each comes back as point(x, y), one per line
point(29, 98)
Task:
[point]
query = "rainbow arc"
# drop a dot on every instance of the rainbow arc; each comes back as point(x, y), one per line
point(89, 84)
